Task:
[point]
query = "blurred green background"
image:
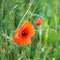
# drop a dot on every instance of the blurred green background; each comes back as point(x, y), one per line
point(46, 42)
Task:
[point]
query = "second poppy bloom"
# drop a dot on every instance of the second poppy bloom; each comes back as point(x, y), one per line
point(24, 34)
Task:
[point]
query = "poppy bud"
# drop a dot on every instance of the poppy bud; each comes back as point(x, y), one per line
point(39, 22)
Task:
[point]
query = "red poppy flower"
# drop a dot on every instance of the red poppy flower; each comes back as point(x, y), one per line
point(39, 22)
point(24, 34)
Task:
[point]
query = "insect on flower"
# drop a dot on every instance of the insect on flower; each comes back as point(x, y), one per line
point(24, 34)
point(39, 22)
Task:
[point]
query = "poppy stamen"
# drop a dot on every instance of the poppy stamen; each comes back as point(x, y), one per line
point(24, 33)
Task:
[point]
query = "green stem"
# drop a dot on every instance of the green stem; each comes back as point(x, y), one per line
point(30, 4)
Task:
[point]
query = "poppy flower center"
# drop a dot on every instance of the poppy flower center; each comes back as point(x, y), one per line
point(24, 33)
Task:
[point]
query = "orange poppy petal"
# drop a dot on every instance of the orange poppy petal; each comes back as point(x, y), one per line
point(31, 29)
point(22, 41)
point(29, 26)
point(25, 42)
point(16, 39)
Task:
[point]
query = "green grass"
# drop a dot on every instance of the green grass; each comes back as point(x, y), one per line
point(46, 42)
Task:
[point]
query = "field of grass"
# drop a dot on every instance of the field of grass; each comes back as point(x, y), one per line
point(46, 42)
